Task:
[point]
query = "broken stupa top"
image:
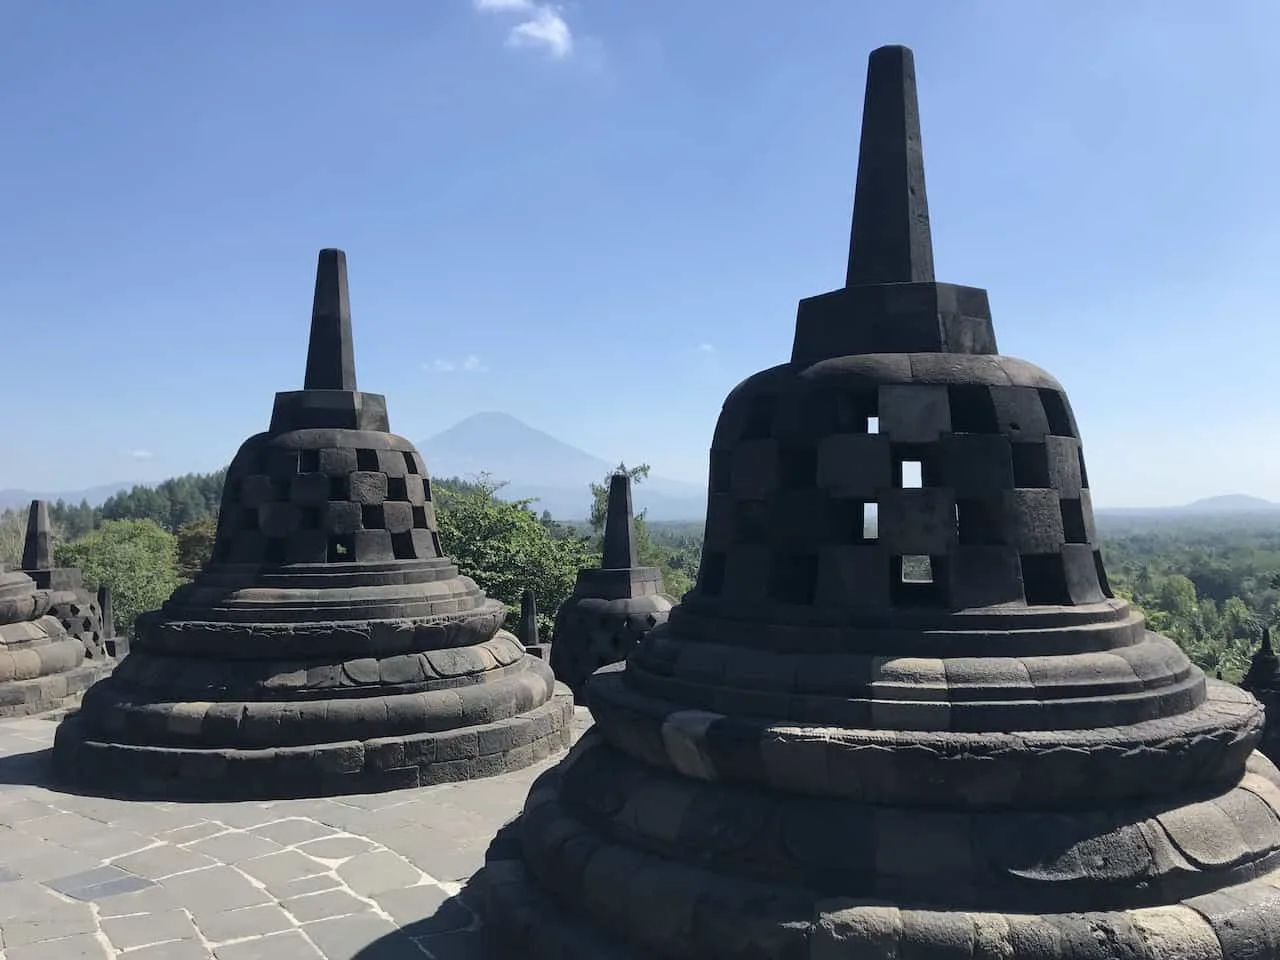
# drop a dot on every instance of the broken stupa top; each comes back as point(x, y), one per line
point(328, 613)
point(612, 605)
point(76, 608)
point(900, 713)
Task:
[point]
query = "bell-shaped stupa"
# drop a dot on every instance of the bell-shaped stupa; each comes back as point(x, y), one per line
point(329, 645)
point(934, 736)
point(1263, 681)
point(76, 608)
point(42, 667)
point(612, 606)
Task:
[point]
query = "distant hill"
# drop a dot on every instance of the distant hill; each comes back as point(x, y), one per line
point(540, 466)
point(1230, 504)
point(12, 499)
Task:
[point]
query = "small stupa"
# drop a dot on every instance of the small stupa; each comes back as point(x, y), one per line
point(42, 667)
point(75, 606)
point(329, 645)
point(612, 606)
point(528, 628)
point(935, 736)
point(1263, 681)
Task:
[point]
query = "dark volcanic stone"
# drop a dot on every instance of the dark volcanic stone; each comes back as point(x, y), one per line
point(329, 645)
point(900, 714)
point(612, 608)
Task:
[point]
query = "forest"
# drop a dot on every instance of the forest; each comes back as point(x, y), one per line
point(1211, 583)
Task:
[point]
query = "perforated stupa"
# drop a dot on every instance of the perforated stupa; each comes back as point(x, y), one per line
point(938, 735)
point(330, 645)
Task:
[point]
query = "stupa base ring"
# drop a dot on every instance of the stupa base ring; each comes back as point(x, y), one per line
point(631, 905)
point(24, 698)
point(325, 769)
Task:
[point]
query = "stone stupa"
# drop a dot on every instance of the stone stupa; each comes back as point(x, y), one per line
point(527, 630)
point(42, 667)
point(76, 608)
point(612, 606)
point(329, 645)
point(938, 736)
point(1263, 681)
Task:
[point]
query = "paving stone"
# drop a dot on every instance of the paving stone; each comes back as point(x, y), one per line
point(291, 945)
point(436, 854)
point(82, 947)
point(428, 908)
point(234, 847)
point(110, 843)
point(151, 899)
point(321, 906)
point(245, 922)
point(8, 873)
point(127, 932)
point(336, 848)
point(178, 950)
point(282, 867)
point(214, 890)
point(24, 810)
point(372, 873)
point(98, 882)
point(70, 920)
point(348, 936)
point(288, 889)
point(163, 861)
point(191, 832)
point(61, 827)
point(287, 832)
point(51, 861)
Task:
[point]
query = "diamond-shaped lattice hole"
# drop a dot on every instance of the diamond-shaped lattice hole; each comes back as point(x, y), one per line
point(420, 518)
point(308, 461)
point(410, 463)
point(373, 517)
point(367, 460)
point(426, 488)
point(339, 489)
point(397, 488)
point(75, 609)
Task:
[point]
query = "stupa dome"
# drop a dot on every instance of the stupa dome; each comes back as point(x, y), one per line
point(330, 645)
point(934, 734)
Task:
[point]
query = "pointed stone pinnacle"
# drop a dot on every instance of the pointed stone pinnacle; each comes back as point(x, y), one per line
point(36, 554)
point(331, 363)
point(619, 530)
point(890, 241)
point(1266, 641)
point(528, 619)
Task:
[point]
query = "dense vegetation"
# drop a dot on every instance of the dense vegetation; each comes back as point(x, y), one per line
point(1212, 584)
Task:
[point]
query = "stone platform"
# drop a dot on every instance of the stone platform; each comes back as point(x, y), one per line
point(362, 877)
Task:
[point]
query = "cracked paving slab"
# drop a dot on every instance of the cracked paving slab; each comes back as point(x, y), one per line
point(371, 877)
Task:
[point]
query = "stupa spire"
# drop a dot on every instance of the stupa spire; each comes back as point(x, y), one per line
point(528, 618)
point(36, 553)
point(890, 241)
point(331, 362)
point(619, 526)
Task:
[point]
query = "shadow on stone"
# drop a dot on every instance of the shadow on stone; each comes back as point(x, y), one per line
point(452, 931)
point(34, 769)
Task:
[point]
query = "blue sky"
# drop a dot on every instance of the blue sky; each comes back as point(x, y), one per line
point(599, 216)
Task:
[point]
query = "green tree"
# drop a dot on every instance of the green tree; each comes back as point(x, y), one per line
point(137, 559)
point(195, 546)
point(506, 549)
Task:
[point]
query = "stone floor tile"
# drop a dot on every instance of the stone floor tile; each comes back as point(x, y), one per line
point(67, 921)
point(343, 938)
point(191, 832)
point(322, 906)
point(282, 867)
point(336, 848)
point(52, 861)
point(178, 950)
point(85, 947)
point(234, 847)
point(214, 890)
point(73, 884)
point(245, 922)
point(287, 832)
point(110, 842)
point(163, 861)
point(427, 907)
point(148, 928)
point(291, 945)
point(372, 873)
point(469, 945)
point(151, 899)
point(239, 816)
point(23, 810)
point(61, 827)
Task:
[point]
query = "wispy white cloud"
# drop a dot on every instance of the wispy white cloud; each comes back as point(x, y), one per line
point(542, 25)
point(706, 348)
point(139, 454)
point(470, 364)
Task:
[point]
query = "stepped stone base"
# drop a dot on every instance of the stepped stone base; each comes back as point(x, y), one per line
point(23, 698)
point(325, 769)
